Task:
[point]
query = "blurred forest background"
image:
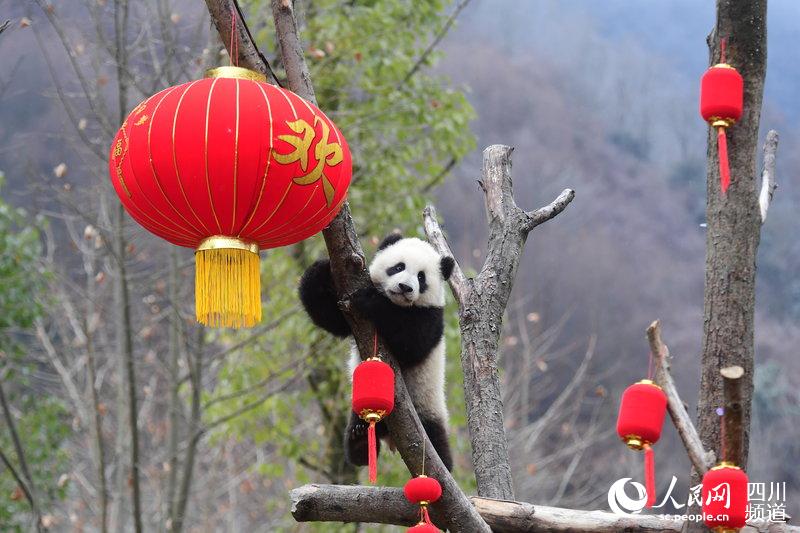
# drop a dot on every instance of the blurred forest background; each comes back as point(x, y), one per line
point(102, 366)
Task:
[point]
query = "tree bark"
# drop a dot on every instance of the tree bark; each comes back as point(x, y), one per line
point(734, 222)
point(732, 444)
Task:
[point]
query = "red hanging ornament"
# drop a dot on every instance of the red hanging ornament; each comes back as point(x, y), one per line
point(724, 496)
point(230, 165)
point(423, 490)
point(373, 400)
point(721, 104)
point(641, 417)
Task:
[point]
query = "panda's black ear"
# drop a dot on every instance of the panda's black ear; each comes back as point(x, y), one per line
point(446, 265)
point(389, 240)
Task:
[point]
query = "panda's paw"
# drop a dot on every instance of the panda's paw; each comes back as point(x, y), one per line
point(355, 444)
point(359, 431)
point(365, 300)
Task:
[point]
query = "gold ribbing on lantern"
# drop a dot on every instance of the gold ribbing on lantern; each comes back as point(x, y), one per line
point(227, 283)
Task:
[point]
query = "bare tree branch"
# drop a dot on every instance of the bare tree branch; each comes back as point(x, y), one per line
point(28, 487)
point(459, 283)
point(385, 505)
point(482, 303)
point(701, 459)
point(23, 486)
point(768, 183)
point(435, 42)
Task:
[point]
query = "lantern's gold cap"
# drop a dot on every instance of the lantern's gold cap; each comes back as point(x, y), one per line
point(723, 65)
point(222, 242)
point(725, 464)
point(648, 382)
point(634, 442)
point(235, 72)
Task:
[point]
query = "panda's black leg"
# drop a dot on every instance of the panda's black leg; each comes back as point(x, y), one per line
point(319, 299)
point(437, 433)
point(356, 447)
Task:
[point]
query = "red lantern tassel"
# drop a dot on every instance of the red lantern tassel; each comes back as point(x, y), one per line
point(372, 456)
point(724, 168)
point(650, 475)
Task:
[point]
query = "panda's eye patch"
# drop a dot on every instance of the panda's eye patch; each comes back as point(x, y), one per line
point(423, 286)
point(399, 267)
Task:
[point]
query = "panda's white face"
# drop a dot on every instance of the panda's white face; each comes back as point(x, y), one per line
point(409, 272)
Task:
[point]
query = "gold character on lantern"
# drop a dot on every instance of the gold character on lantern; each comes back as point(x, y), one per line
point(325, 153)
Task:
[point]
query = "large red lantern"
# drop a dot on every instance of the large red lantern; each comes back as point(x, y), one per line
point(725, 499)
point(641, 417)
point(721, 104)
point(230, 165)
point(423, 491)
point(373, 400)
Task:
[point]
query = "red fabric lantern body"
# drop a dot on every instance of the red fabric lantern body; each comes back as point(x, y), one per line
point(373, 400)
point(229, 165)
point(422, 490)
point(721, 104)
point(641, 417)
point(641, 414)
point(724, 495)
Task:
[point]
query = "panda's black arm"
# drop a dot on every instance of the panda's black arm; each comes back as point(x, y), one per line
point(320, 301)
point(411, 333)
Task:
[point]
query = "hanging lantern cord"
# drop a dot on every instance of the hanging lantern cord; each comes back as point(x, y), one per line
point(234, 48)
point(424, 516)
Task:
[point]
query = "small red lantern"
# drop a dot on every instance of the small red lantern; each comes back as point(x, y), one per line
point(724, 495)
point(423, 490)
point(641, 416)
point(721, 104)
point(373, 400)
point(229, 165)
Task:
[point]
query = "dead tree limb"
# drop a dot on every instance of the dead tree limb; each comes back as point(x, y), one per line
point(386, 505)
point(768, 182)
point(701, 459)
point(732, 444)
point(349, 272)
point(482, 303)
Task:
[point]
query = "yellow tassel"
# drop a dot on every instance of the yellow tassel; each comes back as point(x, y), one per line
point(227, 283)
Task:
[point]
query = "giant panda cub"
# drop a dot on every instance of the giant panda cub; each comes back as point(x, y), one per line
point(406, 305)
